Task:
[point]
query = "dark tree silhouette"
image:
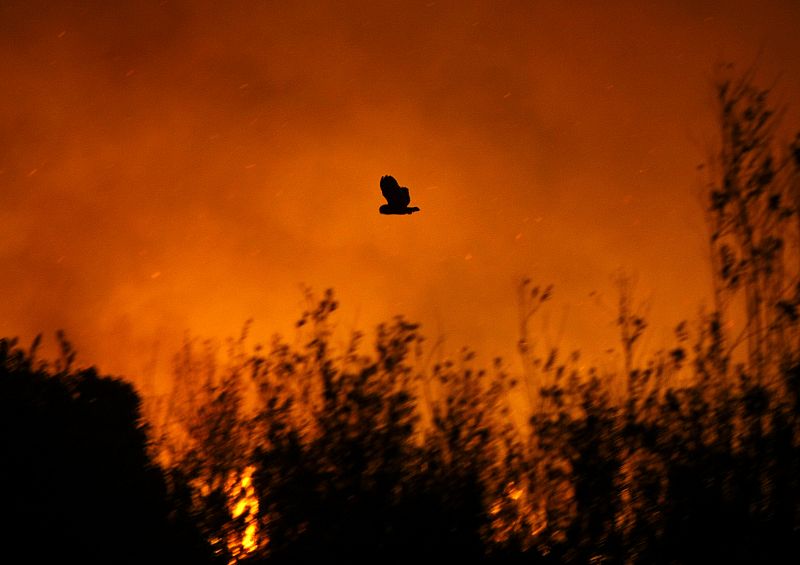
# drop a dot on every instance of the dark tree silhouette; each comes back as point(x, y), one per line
point(76, 481)
point(397, 197)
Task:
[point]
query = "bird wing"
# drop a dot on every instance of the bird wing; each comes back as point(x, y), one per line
point(390, 190)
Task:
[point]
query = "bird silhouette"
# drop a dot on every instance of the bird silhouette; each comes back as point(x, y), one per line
point(397, 197)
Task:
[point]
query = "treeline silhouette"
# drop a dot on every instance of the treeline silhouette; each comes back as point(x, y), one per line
point(306, 452)
point(78, 483)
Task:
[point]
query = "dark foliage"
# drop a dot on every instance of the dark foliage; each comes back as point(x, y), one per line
point(77, 481)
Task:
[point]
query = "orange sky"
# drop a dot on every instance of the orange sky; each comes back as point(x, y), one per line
point(173, 166)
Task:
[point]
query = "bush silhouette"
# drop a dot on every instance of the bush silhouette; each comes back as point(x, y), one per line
point(77, 480)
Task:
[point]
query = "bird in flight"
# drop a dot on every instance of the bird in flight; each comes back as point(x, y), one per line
point(396, 196)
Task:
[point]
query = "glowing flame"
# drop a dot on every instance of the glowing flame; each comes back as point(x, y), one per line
point(243, 503)
point(517, 514)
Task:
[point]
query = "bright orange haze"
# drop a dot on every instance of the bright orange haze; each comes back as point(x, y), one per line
point(172, 166)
